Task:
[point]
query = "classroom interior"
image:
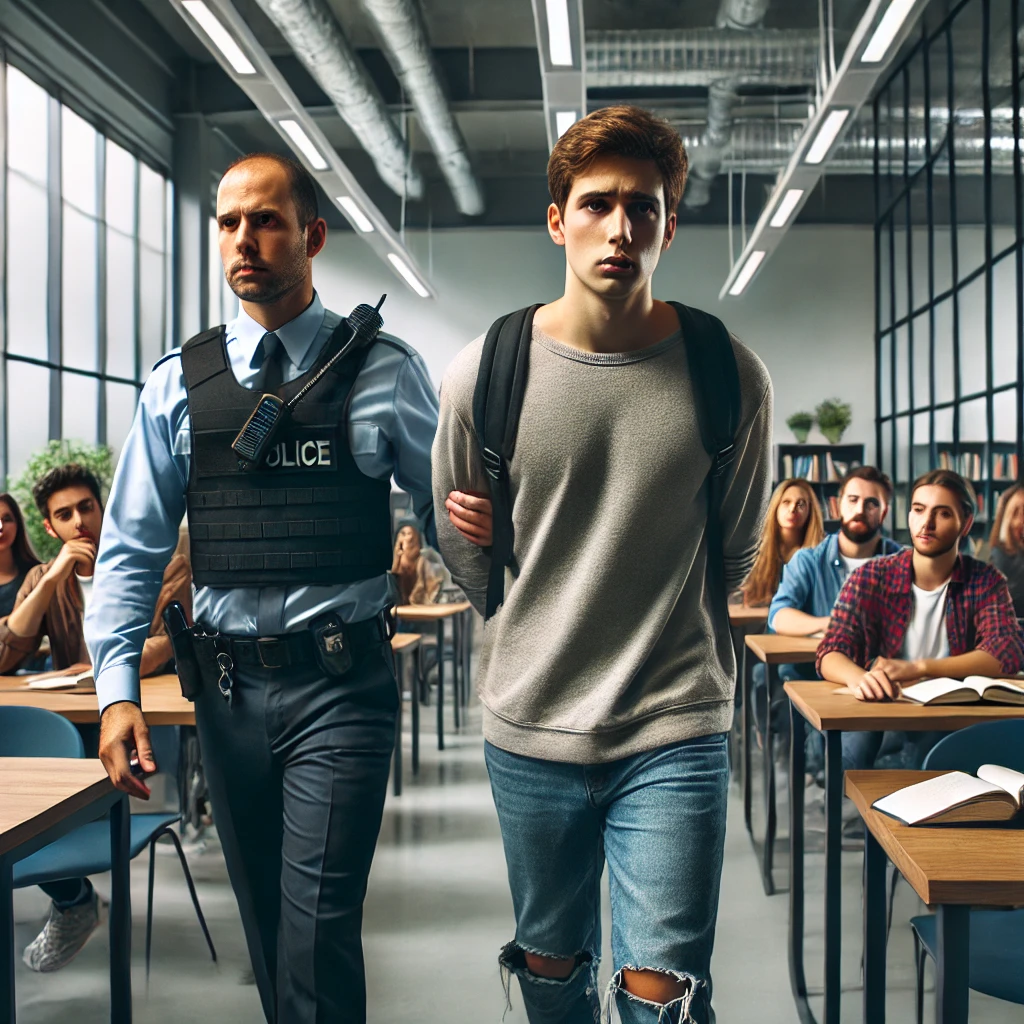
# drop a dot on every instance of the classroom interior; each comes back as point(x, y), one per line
point(886, 274)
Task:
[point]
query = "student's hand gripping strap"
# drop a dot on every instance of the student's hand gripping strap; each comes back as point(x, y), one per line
point(497, 401)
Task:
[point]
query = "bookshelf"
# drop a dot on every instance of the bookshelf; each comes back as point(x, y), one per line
point(822, 466)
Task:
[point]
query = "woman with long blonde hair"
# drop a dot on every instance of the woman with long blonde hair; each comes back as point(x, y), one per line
point(793, 521)
point(1006, 542)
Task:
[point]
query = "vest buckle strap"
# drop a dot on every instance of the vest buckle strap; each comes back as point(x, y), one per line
point(493, 464)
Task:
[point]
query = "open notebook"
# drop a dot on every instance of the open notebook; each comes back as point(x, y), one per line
point(77, 678)
point(965, 691)
point(995, 795)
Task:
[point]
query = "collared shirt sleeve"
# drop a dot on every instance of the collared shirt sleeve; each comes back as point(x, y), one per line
point(848, 631)
point(796, 586)
point(997, 631)
point(140, 532)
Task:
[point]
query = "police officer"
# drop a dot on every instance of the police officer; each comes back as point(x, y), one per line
point(296, 735)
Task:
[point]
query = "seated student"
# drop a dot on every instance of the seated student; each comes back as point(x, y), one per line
point(1006, 543)
point(417, 568)
point(16, 554)
point(51, 602)
point(928, 611)
point(793, 521)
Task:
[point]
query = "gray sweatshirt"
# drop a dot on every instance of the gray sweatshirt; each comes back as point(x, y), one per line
point(604, 646)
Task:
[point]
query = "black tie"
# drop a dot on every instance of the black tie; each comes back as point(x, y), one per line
point(273, 371)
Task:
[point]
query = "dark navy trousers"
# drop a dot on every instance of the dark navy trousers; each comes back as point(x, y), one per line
point(297, 768)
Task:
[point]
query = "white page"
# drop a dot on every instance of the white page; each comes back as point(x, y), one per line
point(982, 683)
point(926, 799)
point(1004, 778)
point(932, 688)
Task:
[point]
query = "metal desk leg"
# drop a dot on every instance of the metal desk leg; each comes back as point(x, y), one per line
point(457, 660)
point(120, 916)
point(768, 850)
point(833, 872)
point(467, 654)
point(397, 758)
point(952, 995)
point(7, 1001)
point(874, 930)
point(417, 668)
point(440, 684)
point(745, 736)
point(797, 765)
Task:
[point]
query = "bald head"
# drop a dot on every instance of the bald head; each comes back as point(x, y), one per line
point(300, 183)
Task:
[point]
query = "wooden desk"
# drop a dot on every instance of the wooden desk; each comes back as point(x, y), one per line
point(402, 646)
point(832, 714)
point(741, 621)
point(438, 614)
point(949, 867)
point(741, 615)
point(45, 798)
point(772, 650)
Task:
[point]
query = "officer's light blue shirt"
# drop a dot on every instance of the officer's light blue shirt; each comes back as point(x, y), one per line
point(392, 422)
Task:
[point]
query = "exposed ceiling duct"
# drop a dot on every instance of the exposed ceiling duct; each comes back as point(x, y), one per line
point(403, 34)
point(700, 57)
point(741, 17)
point(318, 41)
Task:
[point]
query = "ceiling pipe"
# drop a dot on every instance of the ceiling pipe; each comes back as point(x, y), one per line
point(403, 34)
point(310, 28)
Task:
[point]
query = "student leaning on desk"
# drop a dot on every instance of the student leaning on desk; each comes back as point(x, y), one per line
point(927, 611)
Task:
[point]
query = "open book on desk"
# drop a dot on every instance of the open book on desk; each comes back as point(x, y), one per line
point(965, 691)
point(995, 795)
point(77, 677)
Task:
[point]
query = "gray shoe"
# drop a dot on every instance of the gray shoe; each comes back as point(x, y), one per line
point(64, 935)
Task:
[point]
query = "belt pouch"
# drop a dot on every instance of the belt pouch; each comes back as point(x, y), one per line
point(186, 664)
point(332, 644)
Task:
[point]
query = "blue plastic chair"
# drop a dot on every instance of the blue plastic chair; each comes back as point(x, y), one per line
point(997, 936)
point(33, 732)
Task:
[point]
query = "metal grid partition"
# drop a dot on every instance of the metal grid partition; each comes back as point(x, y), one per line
point(949, 254)
point(84, 272)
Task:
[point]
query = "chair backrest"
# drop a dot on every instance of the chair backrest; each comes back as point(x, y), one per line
point(986, 743)
point(33, 732)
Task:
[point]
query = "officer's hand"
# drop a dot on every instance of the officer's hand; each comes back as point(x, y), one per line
point(123, 731)
point(472, 515)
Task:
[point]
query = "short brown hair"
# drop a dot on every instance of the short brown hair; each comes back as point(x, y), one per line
point(60, 477)
point(952, 482)
point(303, 188)
point(872, 475)
point(618, 131)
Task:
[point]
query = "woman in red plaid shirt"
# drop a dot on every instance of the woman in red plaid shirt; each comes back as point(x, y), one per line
point(925, 612)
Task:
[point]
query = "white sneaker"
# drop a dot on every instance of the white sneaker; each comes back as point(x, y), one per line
point(64, 935)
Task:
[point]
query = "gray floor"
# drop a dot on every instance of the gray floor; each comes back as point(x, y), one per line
point(436, 914)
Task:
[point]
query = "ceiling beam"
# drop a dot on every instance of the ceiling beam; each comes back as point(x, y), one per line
point(561, 47)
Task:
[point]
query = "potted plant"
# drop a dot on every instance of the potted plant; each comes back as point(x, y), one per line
point(800, 423)
point(834, 416)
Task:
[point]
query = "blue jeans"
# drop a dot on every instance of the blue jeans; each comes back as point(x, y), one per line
point(658, 819)
point(908, 749)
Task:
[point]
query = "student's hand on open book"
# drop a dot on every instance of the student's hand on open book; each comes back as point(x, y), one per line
point(900, 671)
point(876, 685)
point(472, 516)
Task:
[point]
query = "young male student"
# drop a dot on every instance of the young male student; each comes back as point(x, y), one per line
point(51, 603)
point(927, 611)
point(605, 705)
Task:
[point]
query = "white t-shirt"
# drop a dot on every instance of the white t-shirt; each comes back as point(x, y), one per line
point(926, 635)
point(85, 582)
point(853, 563)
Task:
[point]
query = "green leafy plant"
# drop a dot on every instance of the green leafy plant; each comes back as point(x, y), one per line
point(800, 423)
point(834, 416)
point(99, 459)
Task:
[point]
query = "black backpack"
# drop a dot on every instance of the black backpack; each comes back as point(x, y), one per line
point(498, 400)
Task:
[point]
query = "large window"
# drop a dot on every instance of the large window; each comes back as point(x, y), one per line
point(950, 254)
point(85, 274)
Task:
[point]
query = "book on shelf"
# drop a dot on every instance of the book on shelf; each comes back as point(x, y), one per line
point(968, 464)
point(1005, 467)
point(995, 794)
point(832, 507)
point(965, 691)
point(77, 678)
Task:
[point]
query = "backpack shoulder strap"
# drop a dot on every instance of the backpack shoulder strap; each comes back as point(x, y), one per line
point(497, 403)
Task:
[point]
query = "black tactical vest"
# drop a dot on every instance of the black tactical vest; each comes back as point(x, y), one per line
point(307, 515)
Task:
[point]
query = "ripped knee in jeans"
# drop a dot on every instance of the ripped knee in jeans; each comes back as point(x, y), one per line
point(529, 964)
point(667, 993)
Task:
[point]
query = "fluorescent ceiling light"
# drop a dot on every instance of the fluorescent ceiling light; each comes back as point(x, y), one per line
point(355, 214)
point(219, 36)
point(559, 38)
point(786, 207)
point(827, 133)
point(410, 278)
point(748, 271)
point(294, 132)
point(885, 33)
point(564, 120)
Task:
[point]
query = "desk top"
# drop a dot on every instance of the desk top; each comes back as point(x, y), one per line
point(741, 615)
point(826, 709)
point(38, 792)
point(773, 649)
point(431, 612)
point(944, 864)
point(405, 642)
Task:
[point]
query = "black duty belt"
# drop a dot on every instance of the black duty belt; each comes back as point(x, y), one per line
point(290, 650)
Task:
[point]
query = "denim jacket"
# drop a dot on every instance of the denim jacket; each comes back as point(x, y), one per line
point(813, 577)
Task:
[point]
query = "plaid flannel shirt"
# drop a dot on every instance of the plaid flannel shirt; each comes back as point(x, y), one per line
point(873, 611)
